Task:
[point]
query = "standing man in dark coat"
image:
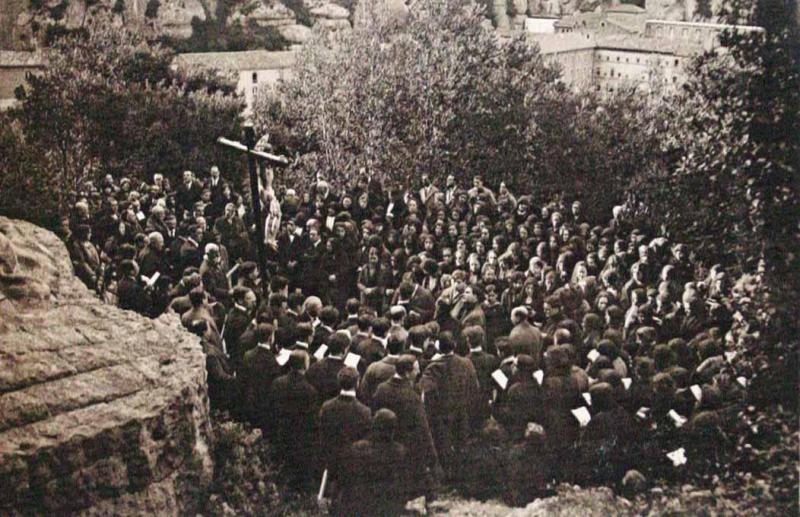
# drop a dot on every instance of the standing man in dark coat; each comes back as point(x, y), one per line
point(449, 386)
point(523, 403)
point(258, 370)
point(237, 321)
point(484, 364)
point(376, 473)
point(398, 395)
point(323, 375)
point(315, 277)
point(187, 194)
point(295, 406)
point(343, 420)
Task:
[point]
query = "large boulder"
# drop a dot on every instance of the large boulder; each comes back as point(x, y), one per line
point(102, 411)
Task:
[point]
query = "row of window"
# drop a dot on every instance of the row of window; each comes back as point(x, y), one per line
point(627, 60)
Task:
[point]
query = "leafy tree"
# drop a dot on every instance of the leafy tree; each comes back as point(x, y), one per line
point(731, 187)
point(436, 93)
point(108, 102)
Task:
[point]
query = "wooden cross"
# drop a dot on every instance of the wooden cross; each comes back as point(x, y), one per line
point(249, 148)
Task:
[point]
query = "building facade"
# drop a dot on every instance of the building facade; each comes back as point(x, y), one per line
point(14, 68)
point(252, 69)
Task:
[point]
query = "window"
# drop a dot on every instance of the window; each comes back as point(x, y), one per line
point(617, 59)
point(255, 77)
point(676, 62)
point(674, 78)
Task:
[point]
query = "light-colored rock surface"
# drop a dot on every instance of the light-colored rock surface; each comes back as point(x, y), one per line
point(328, 10)
point(272, 14)
point(102, 411)
point(296, 34)
point(175, 16)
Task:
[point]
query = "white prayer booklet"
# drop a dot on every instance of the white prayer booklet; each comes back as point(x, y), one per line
point(643, 412)
point(593, 355)
point(587, 397)
point(627, 381)
point(320, 353)
point(697, 392)
point(729, 356)
point(352, 360)
point(329, 222)
point(140, 215)
point(500, 378)
point(152, 280)
point(582, 415)
point(539, 376)
point(678, 457)
point(283, 356)
point(232, 270)
point(676, 418)
point(742, 381)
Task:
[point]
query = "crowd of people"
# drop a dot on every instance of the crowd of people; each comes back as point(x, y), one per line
point(398, 338)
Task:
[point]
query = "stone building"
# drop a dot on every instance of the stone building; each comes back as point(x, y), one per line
point(594, 53)
point(252, 68)
point(14, 67)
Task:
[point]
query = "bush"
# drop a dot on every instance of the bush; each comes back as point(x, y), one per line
point(109, 102)
point(246, 480)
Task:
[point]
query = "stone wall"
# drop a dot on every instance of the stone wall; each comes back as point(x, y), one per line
point(102, 411)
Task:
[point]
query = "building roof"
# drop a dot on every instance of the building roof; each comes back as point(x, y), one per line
point(569, 42)
point(700, 25)
point(235, 61)
point(13, 58)
point(647, 44)
point(626, 8)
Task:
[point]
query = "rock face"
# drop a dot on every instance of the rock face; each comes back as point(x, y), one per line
point(102, 411)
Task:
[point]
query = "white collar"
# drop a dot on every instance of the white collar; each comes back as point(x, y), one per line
point(241, 308)
point(348, 393)
point(476, 350)
point(381, 340)
point(415, 349)
point(265, 346)
point(302, 345)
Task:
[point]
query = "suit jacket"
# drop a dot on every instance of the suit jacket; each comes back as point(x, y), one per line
point(132, 296)
point(258, 370)
point(295, 406)
point(413, 431)
point(522, 404)
point(322, 375)
point(315, 275)
point(235, 324)
point(187, 196)
point(215, 282)
point(449, 384)
point(343, 420)
point(526, 339)
point(375, 479)
point(484, 365)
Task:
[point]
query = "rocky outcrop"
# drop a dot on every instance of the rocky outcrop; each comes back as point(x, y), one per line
point(102, 411)
point(295, 34)
point(272, 14)
point(175, 17)
point(329, 15)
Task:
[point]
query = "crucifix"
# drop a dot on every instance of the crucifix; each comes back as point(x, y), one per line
point(272, 205)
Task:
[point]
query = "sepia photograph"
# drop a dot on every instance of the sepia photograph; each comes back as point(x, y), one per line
point(377, 258)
